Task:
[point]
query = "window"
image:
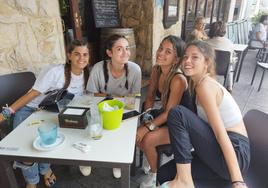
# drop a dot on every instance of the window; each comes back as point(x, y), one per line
point(171, 12)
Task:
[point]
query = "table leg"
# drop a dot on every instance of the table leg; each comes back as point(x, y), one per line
point(133, 165)
point(243, 54)
point(125, 179)
point(7, 174)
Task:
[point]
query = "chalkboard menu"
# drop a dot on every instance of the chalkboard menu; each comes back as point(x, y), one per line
point(106, 13)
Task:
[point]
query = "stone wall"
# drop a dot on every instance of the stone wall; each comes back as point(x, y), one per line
point(158, 27)
point(30, 35)
point(146, 17)
point(139, 16)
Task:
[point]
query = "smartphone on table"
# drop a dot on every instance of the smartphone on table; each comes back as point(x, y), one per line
point(130, 114)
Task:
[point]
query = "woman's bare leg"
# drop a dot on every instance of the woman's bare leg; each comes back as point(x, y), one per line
point(149, 143)
point(183, 177)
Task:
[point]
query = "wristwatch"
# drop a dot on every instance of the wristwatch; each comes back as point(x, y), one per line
point(151, 126)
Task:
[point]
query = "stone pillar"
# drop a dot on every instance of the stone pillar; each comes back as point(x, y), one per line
point(139, 16)
point(146, 18)
point(31, 35)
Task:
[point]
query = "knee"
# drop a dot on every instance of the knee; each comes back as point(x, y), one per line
point(148, 142)
point(175, 115)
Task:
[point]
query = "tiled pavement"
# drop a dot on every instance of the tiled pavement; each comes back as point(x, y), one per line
point(246, 96)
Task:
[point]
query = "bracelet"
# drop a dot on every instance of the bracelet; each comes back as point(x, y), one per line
point(6, 113)
point(238, 183)
point(146, 127)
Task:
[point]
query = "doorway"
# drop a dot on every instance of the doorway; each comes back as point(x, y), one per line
point(78, 23)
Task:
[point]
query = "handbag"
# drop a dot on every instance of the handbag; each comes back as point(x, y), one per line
point(49, 103)
point(149, 115)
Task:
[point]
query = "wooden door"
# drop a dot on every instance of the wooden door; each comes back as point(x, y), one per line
point(76, 19)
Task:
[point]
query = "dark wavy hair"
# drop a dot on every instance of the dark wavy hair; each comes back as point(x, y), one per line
point(67, 67)
point(109, 43)
point(178, 45)
point(217, 29)
point(263, 17)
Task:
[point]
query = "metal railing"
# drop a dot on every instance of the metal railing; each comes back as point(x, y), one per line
point(238, 31)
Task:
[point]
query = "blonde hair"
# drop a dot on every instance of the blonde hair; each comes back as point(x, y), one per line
point(209, 54)
point(197, 20)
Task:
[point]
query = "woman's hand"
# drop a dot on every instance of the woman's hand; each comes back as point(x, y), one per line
point(142, 130)
point(1, 117)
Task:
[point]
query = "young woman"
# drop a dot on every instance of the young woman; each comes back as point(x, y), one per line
point(116, 76)
point(170, 85)
point(73, 76)
point(217, 134)
point(199, 30)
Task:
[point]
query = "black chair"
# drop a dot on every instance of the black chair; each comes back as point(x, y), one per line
point(261, 62)
point(257, 127)
point(222, 63)
point(13, 86)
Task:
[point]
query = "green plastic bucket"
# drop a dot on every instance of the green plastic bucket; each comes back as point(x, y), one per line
point(111, 119)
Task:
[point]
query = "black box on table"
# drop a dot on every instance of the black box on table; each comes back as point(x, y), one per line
point(73, 117)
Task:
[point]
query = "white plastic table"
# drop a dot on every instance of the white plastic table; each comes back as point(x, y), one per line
point(241, 49)
point(114, 149)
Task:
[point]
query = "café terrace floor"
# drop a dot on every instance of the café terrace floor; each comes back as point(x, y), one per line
point(246, 96)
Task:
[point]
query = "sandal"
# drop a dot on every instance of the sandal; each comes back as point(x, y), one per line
point(49, 178)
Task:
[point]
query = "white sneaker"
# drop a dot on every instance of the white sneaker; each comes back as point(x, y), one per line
point(149, 181)
point(117, 172)
point(145, 166)
point(85, 170)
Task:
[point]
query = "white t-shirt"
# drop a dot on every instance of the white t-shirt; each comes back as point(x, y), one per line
point(54, 78)
point(221, 43)
point(260, 27)
point(115, 86)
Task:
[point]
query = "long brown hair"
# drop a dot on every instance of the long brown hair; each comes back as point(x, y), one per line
point(67, 67)
point(209, 54)
point(109, 43)
point(178, 45)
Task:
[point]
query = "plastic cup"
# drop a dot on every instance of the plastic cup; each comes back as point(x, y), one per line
point(48, 133)
point(89, 97)
point(111, 119)
point(62, 104)
point(130, 100)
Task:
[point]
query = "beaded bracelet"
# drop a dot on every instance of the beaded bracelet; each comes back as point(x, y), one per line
point(239, 183)
point(7, 112)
